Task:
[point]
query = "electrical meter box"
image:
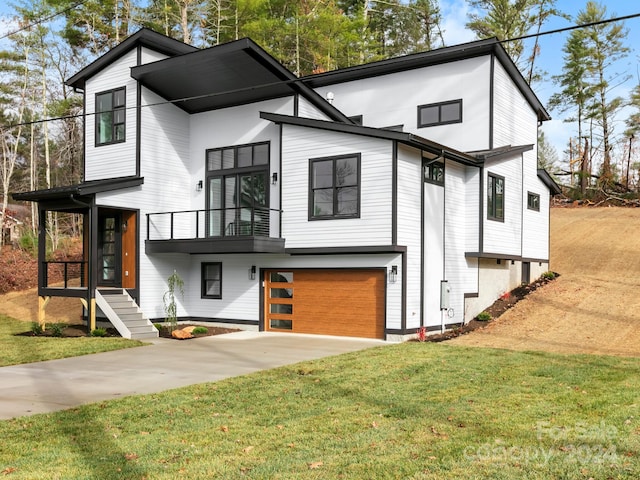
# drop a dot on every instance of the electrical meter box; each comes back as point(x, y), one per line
point(445, 290)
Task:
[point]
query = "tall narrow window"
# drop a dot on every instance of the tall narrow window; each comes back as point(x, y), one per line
point(441, 113)
point(212, 280)
point(533, 201)
point(335, 187)
point(110, 116)
point(495, 197)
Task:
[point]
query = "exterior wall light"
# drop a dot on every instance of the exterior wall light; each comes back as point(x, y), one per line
point(393, 274)
point(274, 178)
point(252, 272)
point(199, 186)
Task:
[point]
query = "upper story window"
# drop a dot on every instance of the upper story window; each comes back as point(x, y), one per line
point(334, 187)
point(495, 197)
point(238, 190)
point(442, 113)
point(110, 116)
point(434, 173)
point(533, 201)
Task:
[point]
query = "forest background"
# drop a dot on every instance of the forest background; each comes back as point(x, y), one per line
point(587, 77)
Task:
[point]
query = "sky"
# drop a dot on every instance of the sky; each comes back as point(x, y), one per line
point(455, 14)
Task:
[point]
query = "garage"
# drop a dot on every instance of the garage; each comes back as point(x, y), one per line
point(326, 301)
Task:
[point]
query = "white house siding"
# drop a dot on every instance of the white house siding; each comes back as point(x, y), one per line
point(460, 272)
point(434, 207)
point(535, 228)
point(505, 237)
point(240, 295)
point(307, 110)
point(409, 226)
point(300, 144)
point(393, 99)
point(149, 56)
point(118, 159)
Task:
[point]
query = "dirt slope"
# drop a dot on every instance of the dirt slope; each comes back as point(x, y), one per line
point(594, 306)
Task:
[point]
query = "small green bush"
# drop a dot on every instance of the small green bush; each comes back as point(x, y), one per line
point(484, 316)
point(158, 326)
point(549, 275)
point(29, 242)
point(57, 329)
point(36, 328)
point(200, 330)
point(99, 332)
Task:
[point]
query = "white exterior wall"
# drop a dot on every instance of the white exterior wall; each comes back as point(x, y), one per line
point(461, 273)
point(393, 99)
point(434, 249)
point(409, 225)
point(118, 159)
point(307, 110)
point(505, 237)
point(374, 225)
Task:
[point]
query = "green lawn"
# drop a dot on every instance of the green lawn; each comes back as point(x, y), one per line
point(16, 349)
point(410, 411)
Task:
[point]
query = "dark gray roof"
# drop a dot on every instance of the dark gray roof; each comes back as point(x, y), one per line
point(145, 37)
point(402, 137)
point(226, 75)
point(478, 48)
point(82, 189)
point(548, 180)
point(500, 153)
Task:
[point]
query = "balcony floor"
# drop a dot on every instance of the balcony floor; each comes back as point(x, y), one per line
point(244, 244)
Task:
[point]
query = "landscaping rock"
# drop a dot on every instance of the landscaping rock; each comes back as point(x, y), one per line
point(181, 334)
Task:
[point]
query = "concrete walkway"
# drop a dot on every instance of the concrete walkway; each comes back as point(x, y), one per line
point(60, 384)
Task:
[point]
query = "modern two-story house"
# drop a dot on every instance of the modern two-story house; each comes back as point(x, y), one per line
point(368, 201)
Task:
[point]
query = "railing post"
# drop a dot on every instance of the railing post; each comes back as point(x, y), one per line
point(197, 224)
point(66, 271)
point(45, 274)
point(148, 223)
point(171, 225)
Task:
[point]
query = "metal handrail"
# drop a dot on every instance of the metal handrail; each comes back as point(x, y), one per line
point(66, 264)
point(218, 222)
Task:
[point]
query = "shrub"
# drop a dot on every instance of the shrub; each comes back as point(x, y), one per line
point(200, 330)
point(29, 243)
point(158, 326)
point(36, 328)
point(422, 334)
point(99, 332)
point(549, 275)
point(484, 316)
point(57, 329)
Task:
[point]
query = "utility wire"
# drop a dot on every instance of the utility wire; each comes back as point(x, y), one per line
point(293, 80)
point(43, 19)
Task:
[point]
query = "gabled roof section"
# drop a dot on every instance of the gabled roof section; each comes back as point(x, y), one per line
point(501, 153)
point(402, 137)
point(548, 180)
point(82, 189)
point(438, 56)
point(145, 37)
point(234, 73)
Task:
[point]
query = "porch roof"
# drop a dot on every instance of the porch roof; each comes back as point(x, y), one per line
point(83, 189)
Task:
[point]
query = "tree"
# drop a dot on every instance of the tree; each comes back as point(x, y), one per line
point(511, 19)
point(547, 154)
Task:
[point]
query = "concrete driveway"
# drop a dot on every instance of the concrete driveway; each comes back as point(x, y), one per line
point(60, 384)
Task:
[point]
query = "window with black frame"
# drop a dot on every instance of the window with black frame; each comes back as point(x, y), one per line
point(334, 187)
point(238, 190)
point(110, 116)
point(495, 197)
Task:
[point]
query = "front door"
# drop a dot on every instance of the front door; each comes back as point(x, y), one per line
point(110, 250)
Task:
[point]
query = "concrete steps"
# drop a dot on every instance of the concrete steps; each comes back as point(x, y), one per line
point(125, 315)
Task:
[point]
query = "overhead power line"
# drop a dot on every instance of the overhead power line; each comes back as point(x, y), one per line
point(43, 19)
point(295, 80)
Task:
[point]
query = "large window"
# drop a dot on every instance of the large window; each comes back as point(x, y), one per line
point(495, 197)
point(335, 187)
point(110, 116)
point(533, 201)
point(212, 280)
point(237, 190)
point(441, 113)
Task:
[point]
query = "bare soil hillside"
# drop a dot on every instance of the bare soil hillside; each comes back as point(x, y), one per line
point(594, 306)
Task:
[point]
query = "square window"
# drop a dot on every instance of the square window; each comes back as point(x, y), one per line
point(212, 280)
point(434, 173)
point(533, 201)
point(335, 187)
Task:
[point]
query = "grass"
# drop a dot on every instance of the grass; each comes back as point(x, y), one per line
point(15, 350)
point(410, 411)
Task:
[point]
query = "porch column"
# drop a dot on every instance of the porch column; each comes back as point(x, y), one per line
point(42, 266)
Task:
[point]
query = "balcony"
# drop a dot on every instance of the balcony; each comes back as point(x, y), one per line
point(222, 230)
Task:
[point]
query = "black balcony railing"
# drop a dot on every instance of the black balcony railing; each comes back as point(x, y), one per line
point(214, 223)
point(72, 274)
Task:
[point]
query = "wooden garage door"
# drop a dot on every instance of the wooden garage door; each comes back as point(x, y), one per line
point(328, 302)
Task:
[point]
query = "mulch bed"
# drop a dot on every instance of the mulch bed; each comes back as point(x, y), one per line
point(498, 307)
point(80, 330)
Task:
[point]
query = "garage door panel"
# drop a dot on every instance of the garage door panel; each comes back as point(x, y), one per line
point(336, 302)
